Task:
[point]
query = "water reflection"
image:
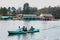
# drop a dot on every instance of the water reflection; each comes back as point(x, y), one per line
point(28, 36)
point(31, 35)
point(18, 37)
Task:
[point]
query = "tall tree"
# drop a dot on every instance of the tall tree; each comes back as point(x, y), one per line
point(26, 8)
point(13, 10)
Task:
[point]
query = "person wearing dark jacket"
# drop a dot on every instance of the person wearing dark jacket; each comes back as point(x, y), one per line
point(24, 28)
point(31, 28)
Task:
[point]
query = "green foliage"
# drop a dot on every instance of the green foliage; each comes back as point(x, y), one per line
point(29, 10)
point(33, 10)
point(9, 8)
point(3, 10)
point(55, 11)
point(26, 8)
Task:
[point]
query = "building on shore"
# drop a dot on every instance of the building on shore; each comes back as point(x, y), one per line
point(30, 17)
point(18, 16)
point(45, 16)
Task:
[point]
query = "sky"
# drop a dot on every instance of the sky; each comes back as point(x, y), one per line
point(32, 3)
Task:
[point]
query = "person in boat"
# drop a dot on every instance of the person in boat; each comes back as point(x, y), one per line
point(19, 28)
point(32, 28)
point(24, 28)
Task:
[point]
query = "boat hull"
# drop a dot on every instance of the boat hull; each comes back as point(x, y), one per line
point(23, 32)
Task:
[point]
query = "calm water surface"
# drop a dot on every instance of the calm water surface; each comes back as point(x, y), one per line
point(49, 30)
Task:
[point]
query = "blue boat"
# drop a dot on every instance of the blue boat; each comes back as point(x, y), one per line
point(23, 32)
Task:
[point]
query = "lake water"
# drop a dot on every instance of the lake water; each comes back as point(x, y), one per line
point(49, 30)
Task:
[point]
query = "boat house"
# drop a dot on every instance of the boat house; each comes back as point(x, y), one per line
point(30, 17)
point(45, 16)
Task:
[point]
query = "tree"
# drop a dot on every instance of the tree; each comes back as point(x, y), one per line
point(33, 10)
point(9, 8)
point(19, 10)
point(13, 10)
point(55, 11)
point(26, 8)
point(3, 10)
